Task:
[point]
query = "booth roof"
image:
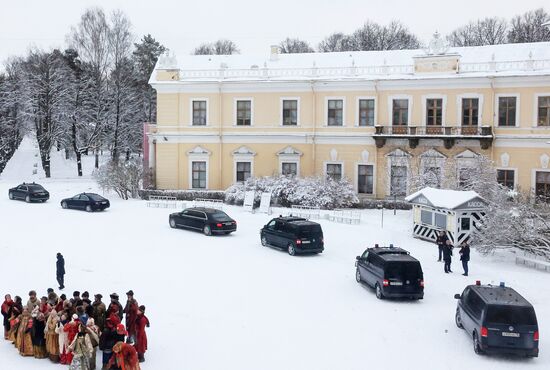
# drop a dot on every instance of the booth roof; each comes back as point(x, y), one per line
point(444, 198)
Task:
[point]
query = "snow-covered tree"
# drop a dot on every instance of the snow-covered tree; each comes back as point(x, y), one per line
point(295, 45)
point(487, 31)
point(125, 178)
point(530, 27)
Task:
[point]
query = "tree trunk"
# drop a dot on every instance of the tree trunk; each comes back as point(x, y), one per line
point(77, 151)
point(96, 165)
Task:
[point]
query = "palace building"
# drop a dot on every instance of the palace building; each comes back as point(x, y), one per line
point(367, 116)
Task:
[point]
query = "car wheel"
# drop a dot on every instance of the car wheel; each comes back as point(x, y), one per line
point(290, 249)
point(264, 241)
point(64, 205)
point(10, 195)
point(207, 231)
point(28, 199)
point(477, 345)
point(172, 223)
point(378, 290)
point(358, 275)
point(88, 208)
point(458, 320)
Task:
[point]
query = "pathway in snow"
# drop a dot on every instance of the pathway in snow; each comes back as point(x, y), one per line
point(25, 164)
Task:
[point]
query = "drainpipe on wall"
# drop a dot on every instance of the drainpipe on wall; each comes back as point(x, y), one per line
point(220, 145)
point(377, 114)
point(493, 105)
point(314, 118)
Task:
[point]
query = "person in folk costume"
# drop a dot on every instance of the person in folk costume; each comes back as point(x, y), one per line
point(99, 312)
point(64, 357)
point(52, 337)
point(81, 348)
point(44, 306)
point(93, 332)
point(33, 301)
point(71, 328)
point(24, 339)
point(38, 336)
point(6, 306)
point(60, 303)
point(116, 303)
point(125, 357)
point(86, 299)
point(14, 312)
point(52, 298)
point(141, 336)
point(131, 310)
point(111, 337)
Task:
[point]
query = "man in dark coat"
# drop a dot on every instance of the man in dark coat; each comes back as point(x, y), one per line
point(447, 253)
point(6, 307)
point(115, 303)
point(441, 241)
point(99, 311)
point(60, 270)
point(464, 256)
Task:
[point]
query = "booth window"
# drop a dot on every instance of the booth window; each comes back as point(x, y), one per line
point(441, 220)
point(465, 223)
point(426, 217)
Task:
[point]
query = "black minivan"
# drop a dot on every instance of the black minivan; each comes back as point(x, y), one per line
point(296, 235)
point(392, 272)
point(498, 319)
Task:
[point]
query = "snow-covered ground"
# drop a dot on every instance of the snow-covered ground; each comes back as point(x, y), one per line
point(228, 303)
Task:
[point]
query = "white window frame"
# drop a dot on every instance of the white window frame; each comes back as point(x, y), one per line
point(391, 98)
point(251, 161)
point(510, 169)
point(295, 161)
point(281, 109)
point(497, 109)
point(459, 108)
point(536, 111)
point(194, 99)
point(235, 100)
point(534, 178)
point(198, 158)
point(425, 98)
point(343, 98)
point(357, 108)
point(356, 183)
point(325, 164)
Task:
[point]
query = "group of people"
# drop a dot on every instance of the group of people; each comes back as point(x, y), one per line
point(70, 331)
point(446, 251)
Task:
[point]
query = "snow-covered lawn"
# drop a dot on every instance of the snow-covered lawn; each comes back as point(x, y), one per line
point(228, 303)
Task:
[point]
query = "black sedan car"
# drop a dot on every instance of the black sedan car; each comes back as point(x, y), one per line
point(86, 201)
point(208, 220)
point(29, 193)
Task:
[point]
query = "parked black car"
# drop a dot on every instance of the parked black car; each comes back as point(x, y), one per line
point(296, 235)
point(498, 319)
point(208, 220)
point(392, 272)
point(86, 201)
point(29, 193)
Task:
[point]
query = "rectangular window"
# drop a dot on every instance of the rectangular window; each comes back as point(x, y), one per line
point(289, 168)
point(506, 178)
point(244, 171)
point(198, 175)
point(199, 112)
point(335, 113)
point(465, 223)
point(400, 109)
point(507, 111)
point(244, 112)
point(290, 112)
point(426, 217)
point(365, 179)
point(434, 112)
point(366, 112)
point(542, 186)
point(441, 220)
point(544, 111)
point(398, 180)
point(470, 110)
point(334, 171)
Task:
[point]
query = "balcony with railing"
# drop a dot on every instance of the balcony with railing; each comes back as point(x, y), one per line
point(449, 134)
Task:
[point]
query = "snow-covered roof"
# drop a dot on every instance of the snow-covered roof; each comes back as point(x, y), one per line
point(475, 61)
point(447, 199)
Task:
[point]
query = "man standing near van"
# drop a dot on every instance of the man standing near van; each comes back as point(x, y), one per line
point(60, 270)
point(447, 253)
point(464, 256)
point(441, 241)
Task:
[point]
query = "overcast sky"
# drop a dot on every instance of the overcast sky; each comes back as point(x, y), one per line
point(253, 25)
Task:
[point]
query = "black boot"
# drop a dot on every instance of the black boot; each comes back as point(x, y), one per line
point(141, 357)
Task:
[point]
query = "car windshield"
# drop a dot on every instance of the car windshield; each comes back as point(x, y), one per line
point(36, 188)
point(306, 231)
point(95, 197)
point(220, 216)
point(511, 315)
point(403, 270)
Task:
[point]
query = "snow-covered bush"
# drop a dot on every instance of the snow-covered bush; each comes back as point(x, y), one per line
point(307, 191)
point(124, 178)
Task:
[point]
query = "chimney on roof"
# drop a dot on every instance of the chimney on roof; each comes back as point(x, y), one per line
point(275, 51)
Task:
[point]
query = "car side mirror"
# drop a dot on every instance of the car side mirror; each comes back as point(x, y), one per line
point(358, 258)
point(458, 296)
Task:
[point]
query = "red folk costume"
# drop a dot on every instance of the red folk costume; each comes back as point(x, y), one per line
point(141, 337)
point(124, 356)
point(71, 328)
point(5, 313)
point(131, 311)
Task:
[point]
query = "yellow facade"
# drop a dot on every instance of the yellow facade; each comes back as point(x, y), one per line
point(176, 141)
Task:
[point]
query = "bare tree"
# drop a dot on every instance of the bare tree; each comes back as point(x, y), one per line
point(295, 45)
point(530, 27)
point(220, 47)
point(336, 42)
point(487, 31)
point(395, 36)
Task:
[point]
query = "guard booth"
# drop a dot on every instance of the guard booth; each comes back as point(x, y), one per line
point(457, 213)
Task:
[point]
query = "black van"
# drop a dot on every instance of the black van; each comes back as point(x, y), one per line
point(498, 319)
point(296, 235)
point(392, 272)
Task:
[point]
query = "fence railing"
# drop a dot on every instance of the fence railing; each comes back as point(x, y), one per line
point(209, 203)
point(161, 201)
point(305, 212)
point(434, 130)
